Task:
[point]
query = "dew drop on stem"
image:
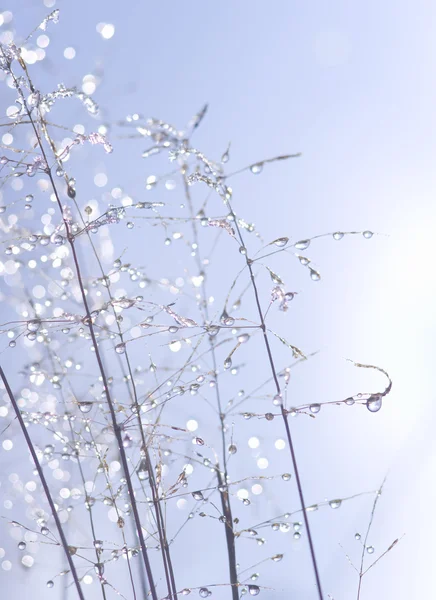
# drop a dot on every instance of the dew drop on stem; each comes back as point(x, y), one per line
point(142, 469)
point(314, 275)
point(33, 325)
point(302, 244)
point(374, 403)
point(226, 319)
point(253, 590)
point(120, 348)
point(277, 557)
point(281, 242)
point(257, 168)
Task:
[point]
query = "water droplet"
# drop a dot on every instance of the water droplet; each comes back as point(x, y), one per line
point(85, 407)
point(314, 275)
point(232, 449)
point(374, 403)
point(204, 592)
point(226, 319)
point(357, 536)
point(225, 157)
point(367, 234)
point(198, 495)
point(335, 503)
point(338, 235)
point(227, 363)
point(98, 544)
point(45, 530)
point(33, 325)
point(99, 568)
point(212, 330)
point(120, 348)
point(253, 590)
point(142, 469)
point(49, 583)
point(281, 242)
point(286, 476)
point(302, 244)
point(315, 408)
point(277, 557)
point(277, 400)
point(370, 549)
point(257, 168)
point(297, 535)
point(242, 250)
point(186, 592)
point(22, 546)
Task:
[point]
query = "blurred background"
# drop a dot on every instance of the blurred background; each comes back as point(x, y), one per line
point(352, 88)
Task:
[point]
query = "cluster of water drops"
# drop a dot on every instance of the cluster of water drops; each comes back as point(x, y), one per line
point(124, 367)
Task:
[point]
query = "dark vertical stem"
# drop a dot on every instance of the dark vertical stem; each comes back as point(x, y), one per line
point(43, 482)
point(82, 476)
point(166, 556)
point(284, 417)
point(221, 476)
point(115, 424)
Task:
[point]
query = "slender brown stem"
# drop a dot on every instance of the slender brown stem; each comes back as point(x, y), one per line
point(221, 477)
point(166, 555)
point(362, 558)
point(43, 482)
point(115, 424)
point(284, 416)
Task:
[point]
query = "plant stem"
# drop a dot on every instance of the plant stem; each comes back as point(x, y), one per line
point(284, 416)
point(222, 477)
point(115, 425)
point(43, 482)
